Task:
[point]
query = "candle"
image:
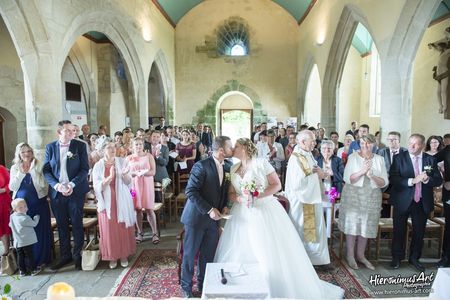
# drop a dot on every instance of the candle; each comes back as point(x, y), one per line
point(60, 291)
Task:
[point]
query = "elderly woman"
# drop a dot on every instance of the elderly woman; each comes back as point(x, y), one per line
point(364, 175)
point(342, 152)
point(331, 165)
point(27, 182)
point(116, 215)
point(5, 204)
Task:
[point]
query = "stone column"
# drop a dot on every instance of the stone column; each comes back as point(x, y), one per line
point(42, 99)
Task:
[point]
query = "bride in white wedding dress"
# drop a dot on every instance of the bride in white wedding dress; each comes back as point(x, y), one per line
point(263, 233)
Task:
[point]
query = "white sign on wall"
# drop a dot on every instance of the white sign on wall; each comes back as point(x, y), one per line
point(292, 121)
point(78, 119)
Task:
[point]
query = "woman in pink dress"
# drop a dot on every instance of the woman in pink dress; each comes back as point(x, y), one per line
point(116, 214)
point(186, 150)
point(142, 169)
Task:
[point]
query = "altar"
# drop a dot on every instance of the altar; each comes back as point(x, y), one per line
point(244, 281)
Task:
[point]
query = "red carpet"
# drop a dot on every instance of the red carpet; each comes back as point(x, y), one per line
point(154, 275)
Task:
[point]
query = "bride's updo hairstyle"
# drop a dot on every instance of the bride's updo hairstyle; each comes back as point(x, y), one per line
point(250, 148)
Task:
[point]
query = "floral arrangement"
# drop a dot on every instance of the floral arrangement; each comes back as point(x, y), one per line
point(252, 190)
point(70, 155)
point(133, 194)
point(5, 292)
point(428, 169)
point(332, 194)
point(227, 177)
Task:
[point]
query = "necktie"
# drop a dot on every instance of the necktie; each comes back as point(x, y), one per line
point(418, 190)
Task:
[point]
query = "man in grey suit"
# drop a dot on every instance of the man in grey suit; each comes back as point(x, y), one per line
point(393, 148)
point(161, 154)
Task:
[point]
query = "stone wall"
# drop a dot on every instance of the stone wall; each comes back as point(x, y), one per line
point(269, 70)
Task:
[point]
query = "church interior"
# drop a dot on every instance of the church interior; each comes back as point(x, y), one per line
point(129, 63)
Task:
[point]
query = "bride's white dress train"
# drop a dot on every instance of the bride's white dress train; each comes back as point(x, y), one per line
point(264, 234)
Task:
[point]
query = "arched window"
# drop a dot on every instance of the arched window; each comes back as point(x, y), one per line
point(232, 38)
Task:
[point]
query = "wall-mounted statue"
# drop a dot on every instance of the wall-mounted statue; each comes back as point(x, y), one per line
point(441, 72)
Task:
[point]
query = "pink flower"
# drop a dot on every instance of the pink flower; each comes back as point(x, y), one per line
point(255, 194)
point(246, 192)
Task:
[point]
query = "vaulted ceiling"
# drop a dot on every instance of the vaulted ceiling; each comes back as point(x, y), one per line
point(174, 10)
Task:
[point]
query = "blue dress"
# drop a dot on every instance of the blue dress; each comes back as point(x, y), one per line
point(42, 249)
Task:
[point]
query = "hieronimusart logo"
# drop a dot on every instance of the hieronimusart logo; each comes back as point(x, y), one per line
point(415, 281)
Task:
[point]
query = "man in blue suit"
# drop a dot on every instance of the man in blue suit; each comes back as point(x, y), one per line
point(207, 192)
point(413, 176)
point(66, 170)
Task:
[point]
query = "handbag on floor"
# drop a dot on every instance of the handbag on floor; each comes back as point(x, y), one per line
point(8, 263)
point(90, 256)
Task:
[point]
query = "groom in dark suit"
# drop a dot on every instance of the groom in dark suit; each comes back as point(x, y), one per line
point(413, 175)
point(207, 198)
point(66, 170)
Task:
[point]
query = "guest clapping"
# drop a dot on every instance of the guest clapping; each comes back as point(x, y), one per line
point(342, 152)
point(331, 165)
point(364, 175)
point(28, 182)
point(116, 214)
point(142, 169)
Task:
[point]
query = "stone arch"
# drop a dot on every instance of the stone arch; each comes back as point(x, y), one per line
point(87, 83)
point(208, 113)
point(350, 17)
point(396, 82)
point(30, 38)
point(110, 24)
point(225, 96)
point(303, 86)
point(161, 63)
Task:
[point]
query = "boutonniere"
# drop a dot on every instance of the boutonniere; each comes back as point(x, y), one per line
point(227, 177)
point(70, 155)
point(428, 169)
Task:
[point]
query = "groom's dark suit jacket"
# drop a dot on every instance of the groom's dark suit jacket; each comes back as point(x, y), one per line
point(205, 192)
point(401, 170)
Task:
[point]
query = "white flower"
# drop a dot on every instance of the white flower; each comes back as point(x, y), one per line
point(69, 154)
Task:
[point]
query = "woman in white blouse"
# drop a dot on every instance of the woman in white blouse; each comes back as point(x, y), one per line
point(365, 174)
point(27, 181)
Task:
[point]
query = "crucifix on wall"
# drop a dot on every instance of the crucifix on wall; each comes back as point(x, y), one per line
point(441, 72)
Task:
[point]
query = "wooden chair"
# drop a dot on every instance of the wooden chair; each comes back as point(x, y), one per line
point(160, 212)
point(88, 225)
point(385, 230)
point(284, 202)
point(158, 209)
point(169, 200)
point(180, 201)
point(431, 227)
point(180, 179)
point(441, 222)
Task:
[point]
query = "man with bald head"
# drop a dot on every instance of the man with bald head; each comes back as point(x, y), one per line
point(303, 189)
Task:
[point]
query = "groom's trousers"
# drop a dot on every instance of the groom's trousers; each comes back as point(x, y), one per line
point(198, 240)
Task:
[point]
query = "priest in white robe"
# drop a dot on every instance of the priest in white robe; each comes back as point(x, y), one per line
point(305, 194)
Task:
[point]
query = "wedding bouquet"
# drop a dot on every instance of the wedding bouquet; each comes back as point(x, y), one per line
point(252, 190)
point(332, 194)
